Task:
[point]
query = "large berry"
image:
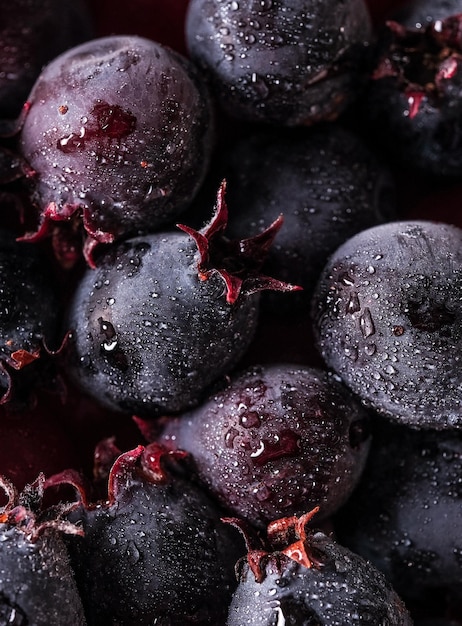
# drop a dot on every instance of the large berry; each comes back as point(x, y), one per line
point(155, 552)
point(119, 130)
point(287, 63)
point(276, 441)
point(404, 516)
point(325, 182)
point(166, 315)
point(387, 316)
point(36, 580)
point(302, 577)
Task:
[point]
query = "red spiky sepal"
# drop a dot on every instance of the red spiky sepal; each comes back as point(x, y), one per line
point(149, 463)
point(26, 511)
point(285, 537)
point(436, 50)
point(237, 261)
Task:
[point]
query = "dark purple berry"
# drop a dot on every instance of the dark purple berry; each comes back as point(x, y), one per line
point(155, 552)
point(29, 316)
point(32, 33)
point(166, 315)
point(387, 317)
point(286, 63)
point(302, 577)
point(37, 585)
point(276, 441)
point(404, 516)
point(327, 185)
point(119, 134)
point(414, 100)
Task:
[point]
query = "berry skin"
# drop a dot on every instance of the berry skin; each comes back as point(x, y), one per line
point(387, 320)
point(166, 315)
point(32, 33)
point(28, 318)
point(276, 441)
point(286, 63)
point(414, 98)
point(326, 183)
point(404, 517)
point(304, 578)
point(156, 551)
point(119, 131)
point(36, 580)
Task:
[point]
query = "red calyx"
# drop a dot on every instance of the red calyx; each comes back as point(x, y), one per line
point(285, 537)
point(422, 60)
point(26, 512)
point(237, 261)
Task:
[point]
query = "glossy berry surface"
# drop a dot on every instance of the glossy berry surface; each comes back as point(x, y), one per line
point(326, 184)
point(119, 132)
point(414, 98)
point(286, 63)
point(156, 550)
point(404, 515)
point(304, 577)
point(276, 441)
point(387, 320)
point(166, 315)
point(32, 33)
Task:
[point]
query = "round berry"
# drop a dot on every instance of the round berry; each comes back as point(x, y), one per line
point(387, 318)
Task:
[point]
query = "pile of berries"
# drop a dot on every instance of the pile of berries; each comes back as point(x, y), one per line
point(230, 313)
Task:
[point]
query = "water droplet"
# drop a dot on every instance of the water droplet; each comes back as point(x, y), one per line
point(366, 323)
point(286, 443)
point(351, 352)
point(370, 349)
point(353, 304)
point(230, 436)
point(250, 420)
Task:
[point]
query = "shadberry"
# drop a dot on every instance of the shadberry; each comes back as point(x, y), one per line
point(154, 551)
point(276, 441)
point(301, 576)
point(118, 133)
point(414, 98)
point(287, 63)
point(387, 318)
point(325, 182)
point(404, 516)
point(36, 579)
point(166, 315)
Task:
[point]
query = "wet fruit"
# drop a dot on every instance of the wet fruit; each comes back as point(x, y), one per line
point(283, 63)
point(387, 319)
point(276, 441)
point(119, 135)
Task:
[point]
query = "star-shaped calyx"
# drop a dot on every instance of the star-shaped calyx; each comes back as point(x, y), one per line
point(286, 538)
point(237, 261)
point(425, 62)
point(26, 510)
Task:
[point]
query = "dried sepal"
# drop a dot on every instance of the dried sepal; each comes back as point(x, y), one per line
point(237, 261)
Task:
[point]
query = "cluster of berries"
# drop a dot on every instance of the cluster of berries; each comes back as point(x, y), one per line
point(281, 369)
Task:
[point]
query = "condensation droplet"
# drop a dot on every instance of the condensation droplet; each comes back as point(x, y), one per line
point(366, 323)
